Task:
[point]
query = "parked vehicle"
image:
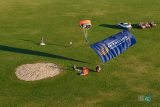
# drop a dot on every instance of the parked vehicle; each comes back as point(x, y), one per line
point(125, 25)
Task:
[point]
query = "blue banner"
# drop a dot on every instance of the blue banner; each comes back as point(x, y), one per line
point(114, 45)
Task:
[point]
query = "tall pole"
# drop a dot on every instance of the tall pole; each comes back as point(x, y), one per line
point(85, 24)
point(85, 34)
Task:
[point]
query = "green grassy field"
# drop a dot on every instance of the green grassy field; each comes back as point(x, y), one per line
point(134, 73)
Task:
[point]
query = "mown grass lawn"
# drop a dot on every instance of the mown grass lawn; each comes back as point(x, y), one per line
point(134, 73)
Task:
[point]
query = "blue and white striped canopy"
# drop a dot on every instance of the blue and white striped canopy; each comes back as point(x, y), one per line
point(114, 45)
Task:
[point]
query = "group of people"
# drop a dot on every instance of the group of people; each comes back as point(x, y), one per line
point(85, 70)
point(147, 24)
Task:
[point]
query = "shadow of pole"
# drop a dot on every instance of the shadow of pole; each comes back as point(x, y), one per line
point(36, 53)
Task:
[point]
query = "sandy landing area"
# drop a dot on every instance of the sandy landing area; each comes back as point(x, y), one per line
point(37, 71)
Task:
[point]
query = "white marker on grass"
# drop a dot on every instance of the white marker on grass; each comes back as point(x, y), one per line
point(42, 42)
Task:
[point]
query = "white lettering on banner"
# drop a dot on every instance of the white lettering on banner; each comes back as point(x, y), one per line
point(103, 50)
point(117, 42)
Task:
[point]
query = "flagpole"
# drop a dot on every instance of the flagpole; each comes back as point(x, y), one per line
point(85, 24)
point(85, 34)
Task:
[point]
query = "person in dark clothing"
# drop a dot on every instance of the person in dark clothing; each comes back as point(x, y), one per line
point(98, 68)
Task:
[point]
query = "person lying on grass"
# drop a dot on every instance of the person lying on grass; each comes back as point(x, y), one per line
point(83, 71)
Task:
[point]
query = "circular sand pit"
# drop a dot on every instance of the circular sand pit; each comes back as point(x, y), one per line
point(37, 71)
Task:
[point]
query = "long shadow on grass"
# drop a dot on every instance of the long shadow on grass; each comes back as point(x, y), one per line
point(28, 40)
point(38, 43)
point(31, 41)
point(36, 53)
point(135, 26)
point(110, 26)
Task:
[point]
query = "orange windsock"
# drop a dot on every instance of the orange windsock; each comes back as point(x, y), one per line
point(85, 24)
point(82, 22)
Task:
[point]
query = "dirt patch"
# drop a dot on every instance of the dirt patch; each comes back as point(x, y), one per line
point(37, 71)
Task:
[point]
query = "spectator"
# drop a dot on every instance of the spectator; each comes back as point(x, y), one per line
point(98, 68)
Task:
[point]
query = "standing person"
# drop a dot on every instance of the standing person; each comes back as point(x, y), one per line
point(98, 68)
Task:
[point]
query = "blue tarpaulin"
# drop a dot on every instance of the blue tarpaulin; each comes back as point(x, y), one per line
point(114, 45)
